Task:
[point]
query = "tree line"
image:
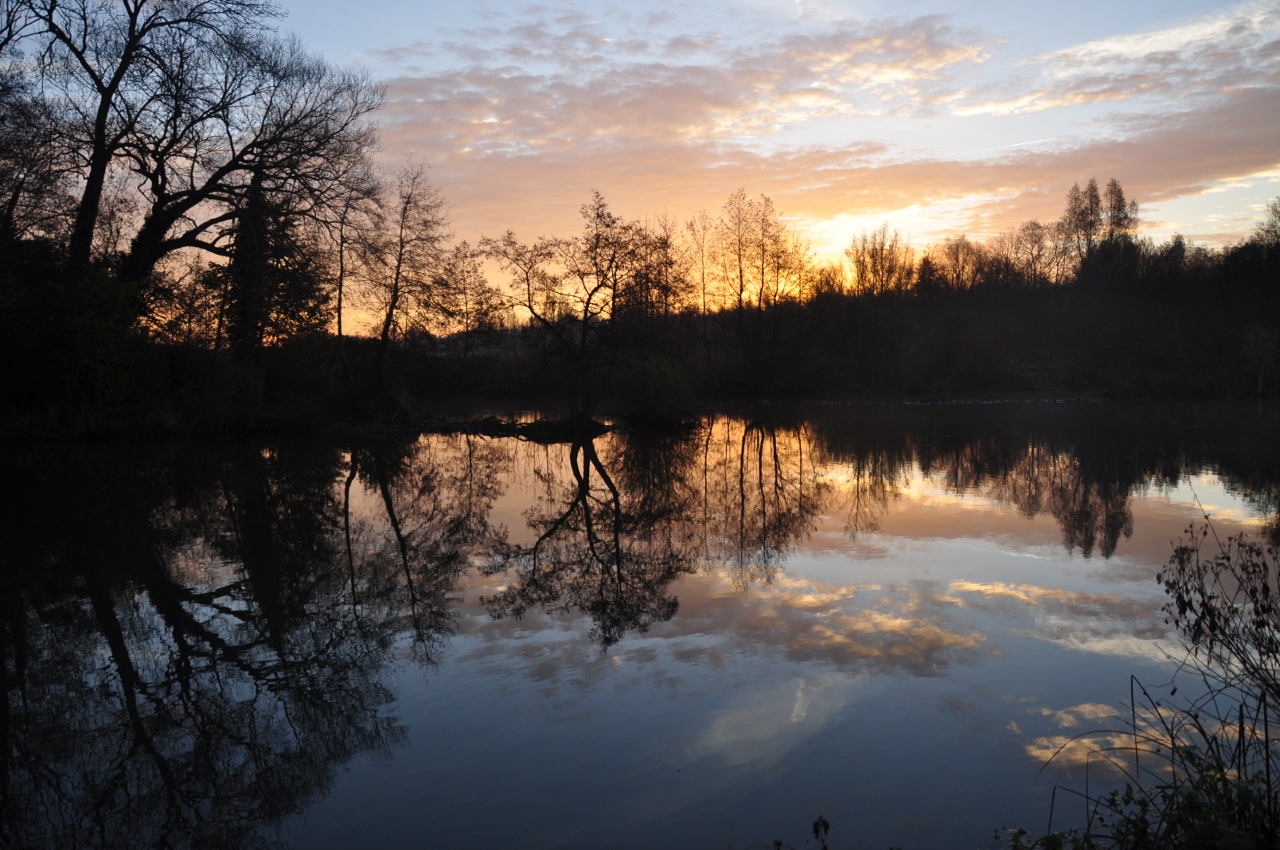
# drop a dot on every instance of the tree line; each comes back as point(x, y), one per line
point(190, 206)
point(737, 303)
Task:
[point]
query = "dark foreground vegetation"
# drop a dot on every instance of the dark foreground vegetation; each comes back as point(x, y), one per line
point(1200, 771)
point(189, 211)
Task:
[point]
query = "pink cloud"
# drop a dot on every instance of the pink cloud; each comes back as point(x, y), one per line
point(544, 111)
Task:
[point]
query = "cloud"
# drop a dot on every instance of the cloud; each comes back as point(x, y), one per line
point(1071, 717)
point(1231, 49)
point(847, 628)
point(1162, 157)
point(764, 727)
point(1072, 601)
point(521, 119)
point(536, 84)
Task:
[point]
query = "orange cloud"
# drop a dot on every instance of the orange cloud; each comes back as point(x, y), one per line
point(525, 120)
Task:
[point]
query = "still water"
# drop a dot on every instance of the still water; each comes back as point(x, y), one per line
point(887, 616)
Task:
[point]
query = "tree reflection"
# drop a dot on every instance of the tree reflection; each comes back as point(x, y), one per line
point(1085, 485)
point(1039, 478)
point(193, 638)
point(761, 494)
point(608, 548)
point(434, 498)
point(869, 482)
point(633, 512)
point(1264, 497)
point(191, 660)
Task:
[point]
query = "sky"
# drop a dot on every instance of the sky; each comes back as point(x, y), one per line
point(937, 118)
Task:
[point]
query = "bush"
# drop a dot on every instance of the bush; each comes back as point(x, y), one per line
point(1206, 773)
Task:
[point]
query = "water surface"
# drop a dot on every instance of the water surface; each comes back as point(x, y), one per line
point(888, 616)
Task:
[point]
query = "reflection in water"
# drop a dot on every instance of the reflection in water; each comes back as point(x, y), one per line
point(632, 514)
point(157, 697)
point(432, 504)
point(194, 656)
point(1040, 480)
point(195, 637)
point(609, 543)
point(761, 493)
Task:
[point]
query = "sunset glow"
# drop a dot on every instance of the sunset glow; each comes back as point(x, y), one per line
point(935, 118)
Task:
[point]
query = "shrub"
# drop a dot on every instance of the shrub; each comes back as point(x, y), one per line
point(1204, 773)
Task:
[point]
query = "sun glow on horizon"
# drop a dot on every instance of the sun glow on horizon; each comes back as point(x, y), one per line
point(937, 123)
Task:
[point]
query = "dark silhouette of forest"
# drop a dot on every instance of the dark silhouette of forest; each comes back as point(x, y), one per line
point(189, 207)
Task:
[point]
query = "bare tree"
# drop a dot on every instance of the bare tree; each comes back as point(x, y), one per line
point(533, 284)
point(760, 264)
point(466, 303)
point(583, 292)
point(402, 262)
point(700, 234)
point(956, 262)
point(277, 120)
point(661, 284)
point(1081, 225)
point(1120, 217)
point(109, 62)
point(733, 237)
point(1267, 233)
point(1036, 253)
point(35, 187)
point(16, 21)
point(353, 219)
point(883, 263)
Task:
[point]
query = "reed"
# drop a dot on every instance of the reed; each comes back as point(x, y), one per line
point(1202, 771)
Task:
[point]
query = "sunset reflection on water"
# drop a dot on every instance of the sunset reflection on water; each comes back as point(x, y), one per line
point(635, 640)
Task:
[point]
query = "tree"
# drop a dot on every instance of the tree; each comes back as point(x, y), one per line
point(957, 262)
point(275, 120)
point(598, 284)
point(699, 234)
point(403, 258)
point(661, 285)
point(468, 305)
point(355, 216)
point(577, 291)
point(1267, 232)
point(604, 548)
point(929, 278)
point(733, 238)
point(205, 110)
point(15, 21)
point(1120, 217)
point(760, 265)
point(275, 287)
point(35, 192)
point(1024, 256)
point(532, 283)
point(1081, 224)
point(770, 265)
point(1036, 253)
point(882, 262)
point(1099, 229)
point(110, 62)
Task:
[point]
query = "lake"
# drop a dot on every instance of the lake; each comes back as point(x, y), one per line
point(891, 616)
